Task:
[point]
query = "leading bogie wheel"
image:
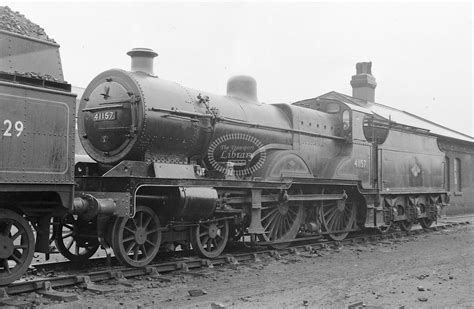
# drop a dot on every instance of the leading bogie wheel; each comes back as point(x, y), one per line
point(17, 245)
point(210, 239)
point(136, 240)
point(74, 239)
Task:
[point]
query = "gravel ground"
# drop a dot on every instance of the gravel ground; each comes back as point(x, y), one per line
point(428, 270)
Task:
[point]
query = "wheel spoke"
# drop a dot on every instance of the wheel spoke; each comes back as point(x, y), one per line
point(17, 234)
point(208, 246)
point(135, 253)
point(16, 258)
point(329, 207)
point(152, 231)
point(70, 244)
point(288, 224)
point(271, 221)
point(280, 226)
point(205, 239)
point(277, 227)
point(337, 222)
point(66, 236)
point(331, 217)
point(330, 225)
point(128, 239)
point(272, 226)
point(292, 212)
point(147, 222)
point(130, 247)
point(129, 229)
point(271, 212)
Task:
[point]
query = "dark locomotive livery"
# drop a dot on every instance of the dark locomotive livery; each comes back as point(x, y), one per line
point(177, 167)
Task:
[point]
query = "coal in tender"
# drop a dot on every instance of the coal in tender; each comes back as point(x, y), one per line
point(16, 22)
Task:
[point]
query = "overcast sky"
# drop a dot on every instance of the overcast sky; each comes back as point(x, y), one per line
point(422, 54)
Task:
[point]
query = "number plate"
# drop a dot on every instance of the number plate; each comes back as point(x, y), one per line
point(105, 116)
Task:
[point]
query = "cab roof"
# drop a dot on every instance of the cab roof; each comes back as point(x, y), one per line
point(388, 113)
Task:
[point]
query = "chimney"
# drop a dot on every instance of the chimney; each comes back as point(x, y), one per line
point(363, 83)
point(142, 60)
point(242, 87)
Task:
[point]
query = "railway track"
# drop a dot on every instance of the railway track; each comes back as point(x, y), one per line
point(162, 271)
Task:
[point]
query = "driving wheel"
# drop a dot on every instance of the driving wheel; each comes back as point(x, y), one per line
point(281, 220)
point(337, 218)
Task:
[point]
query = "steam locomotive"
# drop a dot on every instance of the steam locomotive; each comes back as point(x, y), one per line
point(178, 167)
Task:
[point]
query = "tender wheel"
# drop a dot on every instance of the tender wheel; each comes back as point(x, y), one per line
point(384, 229)
point(209, 239)
point(425, 222)
point(337, 216)
point(281, 221)
point(136, 240)
point(405, 225)
point(17, 245)
point(74, 239)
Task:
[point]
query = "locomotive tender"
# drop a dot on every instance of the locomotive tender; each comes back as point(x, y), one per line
point(177, 166)
point(37, 129)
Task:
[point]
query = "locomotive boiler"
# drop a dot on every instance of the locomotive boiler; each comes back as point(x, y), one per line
point(139, 117)
point(183, 167)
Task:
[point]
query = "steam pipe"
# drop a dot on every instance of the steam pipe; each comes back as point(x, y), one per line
point(88, 207)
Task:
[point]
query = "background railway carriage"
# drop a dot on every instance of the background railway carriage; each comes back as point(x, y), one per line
point(37, 127)
point(177, 166)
